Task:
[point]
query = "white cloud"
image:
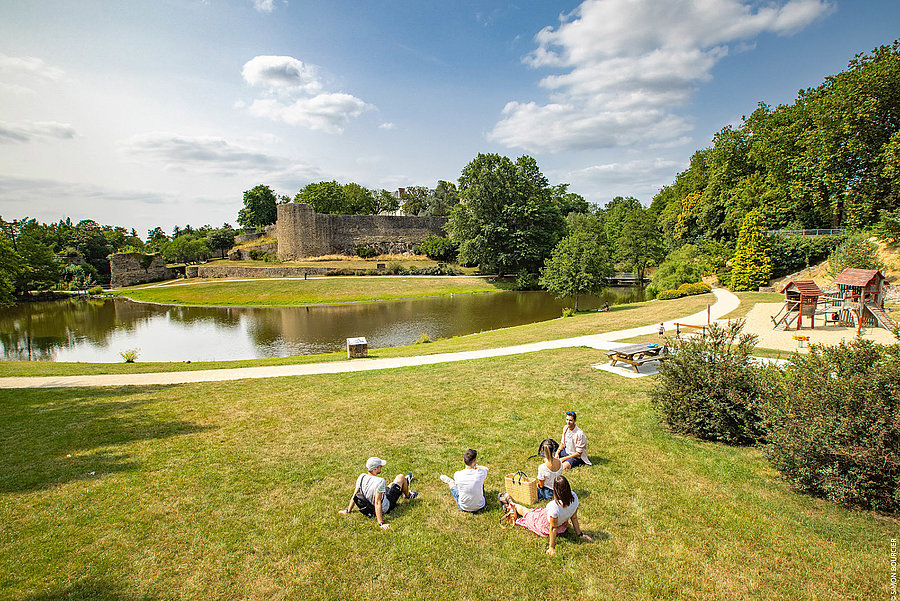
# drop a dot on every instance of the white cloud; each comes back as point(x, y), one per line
point(208, 154)
point(629, 63)
point(293, 94)
point(264, 6)
point(32, 131)
point(641, 178)
point(29, 66)
point(386, 125)
point(282, 73)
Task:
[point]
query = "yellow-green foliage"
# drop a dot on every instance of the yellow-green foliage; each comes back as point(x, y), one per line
point(752, 266)
point(670, 294)
point(695, 288)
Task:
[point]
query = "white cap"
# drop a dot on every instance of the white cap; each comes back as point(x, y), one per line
point(373, 462)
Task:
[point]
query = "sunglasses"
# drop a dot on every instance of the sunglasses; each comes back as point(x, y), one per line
point(572, 413)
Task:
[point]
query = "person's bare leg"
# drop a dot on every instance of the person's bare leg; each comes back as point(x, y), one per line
point(566, 466)
point(404, 485)
point(519, 509)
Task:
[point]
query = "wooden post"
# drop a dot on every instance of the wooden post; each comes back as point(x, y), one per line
point(800, 312)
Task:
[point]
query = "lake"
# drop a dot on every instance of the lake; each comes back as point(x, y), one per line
point(98, 330)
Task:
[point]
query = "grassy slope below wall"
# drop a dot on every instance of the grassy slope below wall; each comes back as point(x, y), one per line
point(231, 491)
point(274, 292)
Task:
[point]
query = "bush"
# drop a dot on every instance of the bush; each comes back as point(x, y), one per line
point(568, 312)
point(669, 294)
point(888, 227)
point(437, 248)
point(790, 254)
point(366, 252)
point(834, 424)
point(260, 255)
point(695, 288)
point(526, 281)
point(711, 390)
point(856, 251)
point(681, 266)
point(130, 356)
point(423, 339)
point(96, 290)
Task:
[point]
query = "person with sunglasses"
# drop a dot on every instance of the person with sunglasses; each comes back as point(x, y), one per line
point(572, 451)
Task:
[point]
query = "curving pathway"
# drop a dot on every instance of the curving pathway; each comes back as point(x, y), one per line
point(725, 303)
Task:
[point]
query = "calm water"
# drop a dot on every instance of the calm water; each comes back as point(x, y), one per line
point(99, 330)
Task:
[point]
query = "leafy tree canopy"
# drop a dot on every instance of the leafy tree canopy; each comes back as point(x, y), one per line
point(259, 207)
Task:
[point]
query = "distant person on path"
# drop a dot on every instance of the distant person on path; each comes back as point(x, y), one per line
point(551, 520)
point(662, 330)
point(548, 471)
point(572, 451)
point(372, 497)
point(467, 485)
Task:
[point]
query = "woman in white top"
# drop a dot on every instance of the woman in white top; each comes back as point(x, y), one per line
point(548, 471)
point(552, 520)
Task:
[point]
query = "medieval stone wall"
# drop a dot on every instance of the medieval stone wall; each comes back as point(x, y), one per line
point(302, 232)
point(127, 269)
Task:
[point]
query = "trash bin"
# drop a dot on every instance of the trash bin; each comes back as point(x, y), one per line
point(357, 348)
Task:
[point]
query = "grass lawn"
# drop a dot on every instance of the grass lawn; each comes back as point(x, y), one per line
point(269, 292)
point(619, 317)
point(231, 491)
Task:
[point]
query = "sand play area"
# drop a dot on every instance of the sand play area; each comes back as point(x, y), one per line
point(759, 322)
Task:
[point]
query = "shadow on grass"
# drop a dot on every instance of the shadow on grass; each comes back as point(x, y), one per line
point(94, 591)
point(53, 437)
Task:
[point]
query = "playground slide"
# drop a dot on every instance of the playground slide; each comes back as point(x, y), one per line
point(883, 320)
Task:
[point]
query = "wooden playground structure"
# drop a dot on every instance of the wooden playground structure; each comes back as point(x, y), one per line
point(859, 302)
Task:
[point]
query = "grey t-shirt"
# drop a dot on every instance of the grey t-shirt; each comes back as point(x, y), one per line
point(372, 485)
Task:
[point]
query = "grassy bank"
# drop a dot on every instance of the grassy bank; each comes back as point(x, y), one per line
point(231, 491)
point(314, 291)
point(619, 317)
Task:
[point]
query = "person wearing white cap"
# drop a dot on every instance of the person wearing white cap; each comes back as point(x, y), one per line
point(371, 495)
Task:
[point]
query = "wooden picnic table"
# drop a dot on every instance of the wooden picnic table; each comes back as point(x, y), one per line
point(636, 355)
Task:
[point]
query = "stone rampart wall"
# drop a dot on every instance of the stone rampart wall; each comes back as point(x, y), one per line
point(275, 271)
point(302, 232)
point(127, 269)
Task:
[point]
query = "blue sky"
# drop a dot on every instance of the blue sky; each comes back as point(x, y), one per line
point(162, 113)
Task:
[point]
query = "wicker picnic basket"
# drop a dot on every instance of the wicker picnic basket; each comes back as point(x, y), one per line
point(521, 488)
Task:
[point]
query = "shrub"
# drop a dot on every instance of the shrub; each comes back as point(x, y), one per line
point(710, 388)
point(669, 294)
point(856, 251)
point(526, 281)
point(423, 339)
point(888, 227)
point(793, 253)
point(695, 288)
point(681, 266)
point(96, 290)
point(834, 424)
point(130, 356)
point(568, 312)
point(394, 268)
point(437, 248)
point(752, 266)
point(366, 252)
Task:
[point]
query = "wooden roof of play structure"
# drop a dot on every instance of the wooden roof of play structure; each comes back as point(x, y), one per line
point(804, 287)
point(859, 277)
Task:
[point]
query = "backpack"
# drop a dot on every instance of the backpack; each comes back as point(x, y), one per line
point(366, 507)
point(553, 445)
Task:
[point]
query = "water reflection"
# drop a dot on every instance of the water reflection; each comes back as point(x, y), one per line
point(98, 330)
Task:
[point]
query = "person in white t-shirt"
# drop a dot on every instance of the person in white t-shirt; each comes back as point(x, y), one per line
point(548, 471)
point(551, 520)
point(372, 497)
point(467, 485)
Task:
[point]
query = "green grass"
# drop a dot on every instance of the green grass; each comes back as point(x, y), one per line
point(619, 317)
point(275, 292)
point(231, 491)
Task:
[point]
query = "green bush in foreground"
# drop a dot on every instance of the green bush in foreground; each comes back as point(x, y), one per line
point(711, 389)
point(834, 424)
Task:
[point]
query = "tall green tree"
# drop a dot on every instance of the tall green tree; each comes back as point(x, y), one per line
point(10, 263)
point(259, 207)
point(576, 267)
point(443, 199)
point(415, 200)
point(506, 221)
point(752, 266)
point(221, 239)
point(358, 200)
point(639, 246)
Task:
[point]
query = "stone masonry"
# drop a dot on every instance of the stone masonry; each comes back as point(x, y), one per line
point(128, 269)
point(302, 232)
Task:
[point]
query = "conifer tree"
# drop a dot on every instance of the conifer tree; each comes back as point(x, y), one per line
point(752, 266)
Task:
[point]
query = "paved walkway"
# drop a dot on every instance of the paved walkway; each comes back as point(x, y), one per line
point(725, 303)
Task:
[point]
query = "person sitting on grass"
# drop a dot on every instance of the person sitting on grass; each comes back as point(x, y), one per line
point(371, 495)
point(467, 485)
point(548, 471)
point(551, 520)
point(573, 448)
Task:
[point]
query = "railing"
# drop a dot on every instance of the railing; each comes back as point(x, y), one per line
point(831, 232)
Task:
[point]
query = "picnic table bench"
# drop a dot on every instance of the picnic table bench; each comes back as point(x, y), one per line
point(636, 355)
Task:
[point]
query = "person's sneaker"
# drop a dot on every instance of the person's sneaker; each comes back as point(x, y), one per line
point(412, 495)
point(446, 479)
point(409, 477)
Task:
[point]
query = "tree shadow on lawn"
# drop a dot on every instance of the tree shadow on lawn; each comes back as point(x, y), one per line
point(93, 591)
point(55, 437)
